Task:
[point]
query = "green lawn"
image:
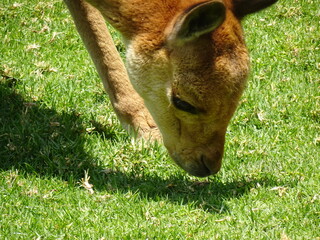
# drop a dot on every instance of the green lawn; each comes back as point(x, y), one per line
point(69, 171)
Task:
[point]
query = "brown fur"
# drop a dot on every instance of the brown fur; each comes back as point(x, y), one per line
point(206, 66)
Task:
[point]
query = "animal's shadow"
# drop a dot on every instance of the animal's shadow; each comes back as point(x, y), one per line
point(38, 140)
point(209, 194)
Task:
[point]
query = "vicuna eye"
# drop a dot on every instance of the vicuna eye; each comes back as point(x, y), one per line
point(184, 106)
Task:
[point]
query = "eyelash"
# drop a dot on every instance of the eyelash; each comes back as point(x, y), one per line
point(183, 106)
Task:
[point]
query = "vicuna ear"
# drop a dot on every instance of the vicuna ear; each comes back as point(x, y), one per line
point(199, 19)
point(244, 7)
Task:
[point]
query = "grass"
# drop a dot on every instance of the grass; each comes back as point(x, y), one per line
point(69, 171)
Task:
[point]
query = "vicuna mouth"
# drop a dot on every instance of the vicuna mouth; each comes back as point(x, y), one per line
point(201, 171)
point(197, 168)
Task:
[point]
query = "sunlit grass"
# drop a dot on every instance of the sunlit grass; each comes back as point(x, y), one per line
point(69, 171)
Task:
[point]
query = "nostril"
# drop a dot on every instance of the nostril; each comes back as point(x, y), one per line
point(202, 159)
point(212, 164)
point(204, 164)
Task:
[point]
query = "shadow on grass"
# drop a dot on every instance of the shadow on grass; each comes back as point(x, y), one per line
point(207, 194)
point(41, 141)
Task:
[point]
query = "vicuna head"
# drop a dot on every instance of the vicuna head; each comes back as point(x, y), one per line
point(188, 61)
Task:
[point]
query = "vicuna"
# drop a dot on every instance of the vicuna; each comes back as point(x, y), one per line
point(187, 63)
